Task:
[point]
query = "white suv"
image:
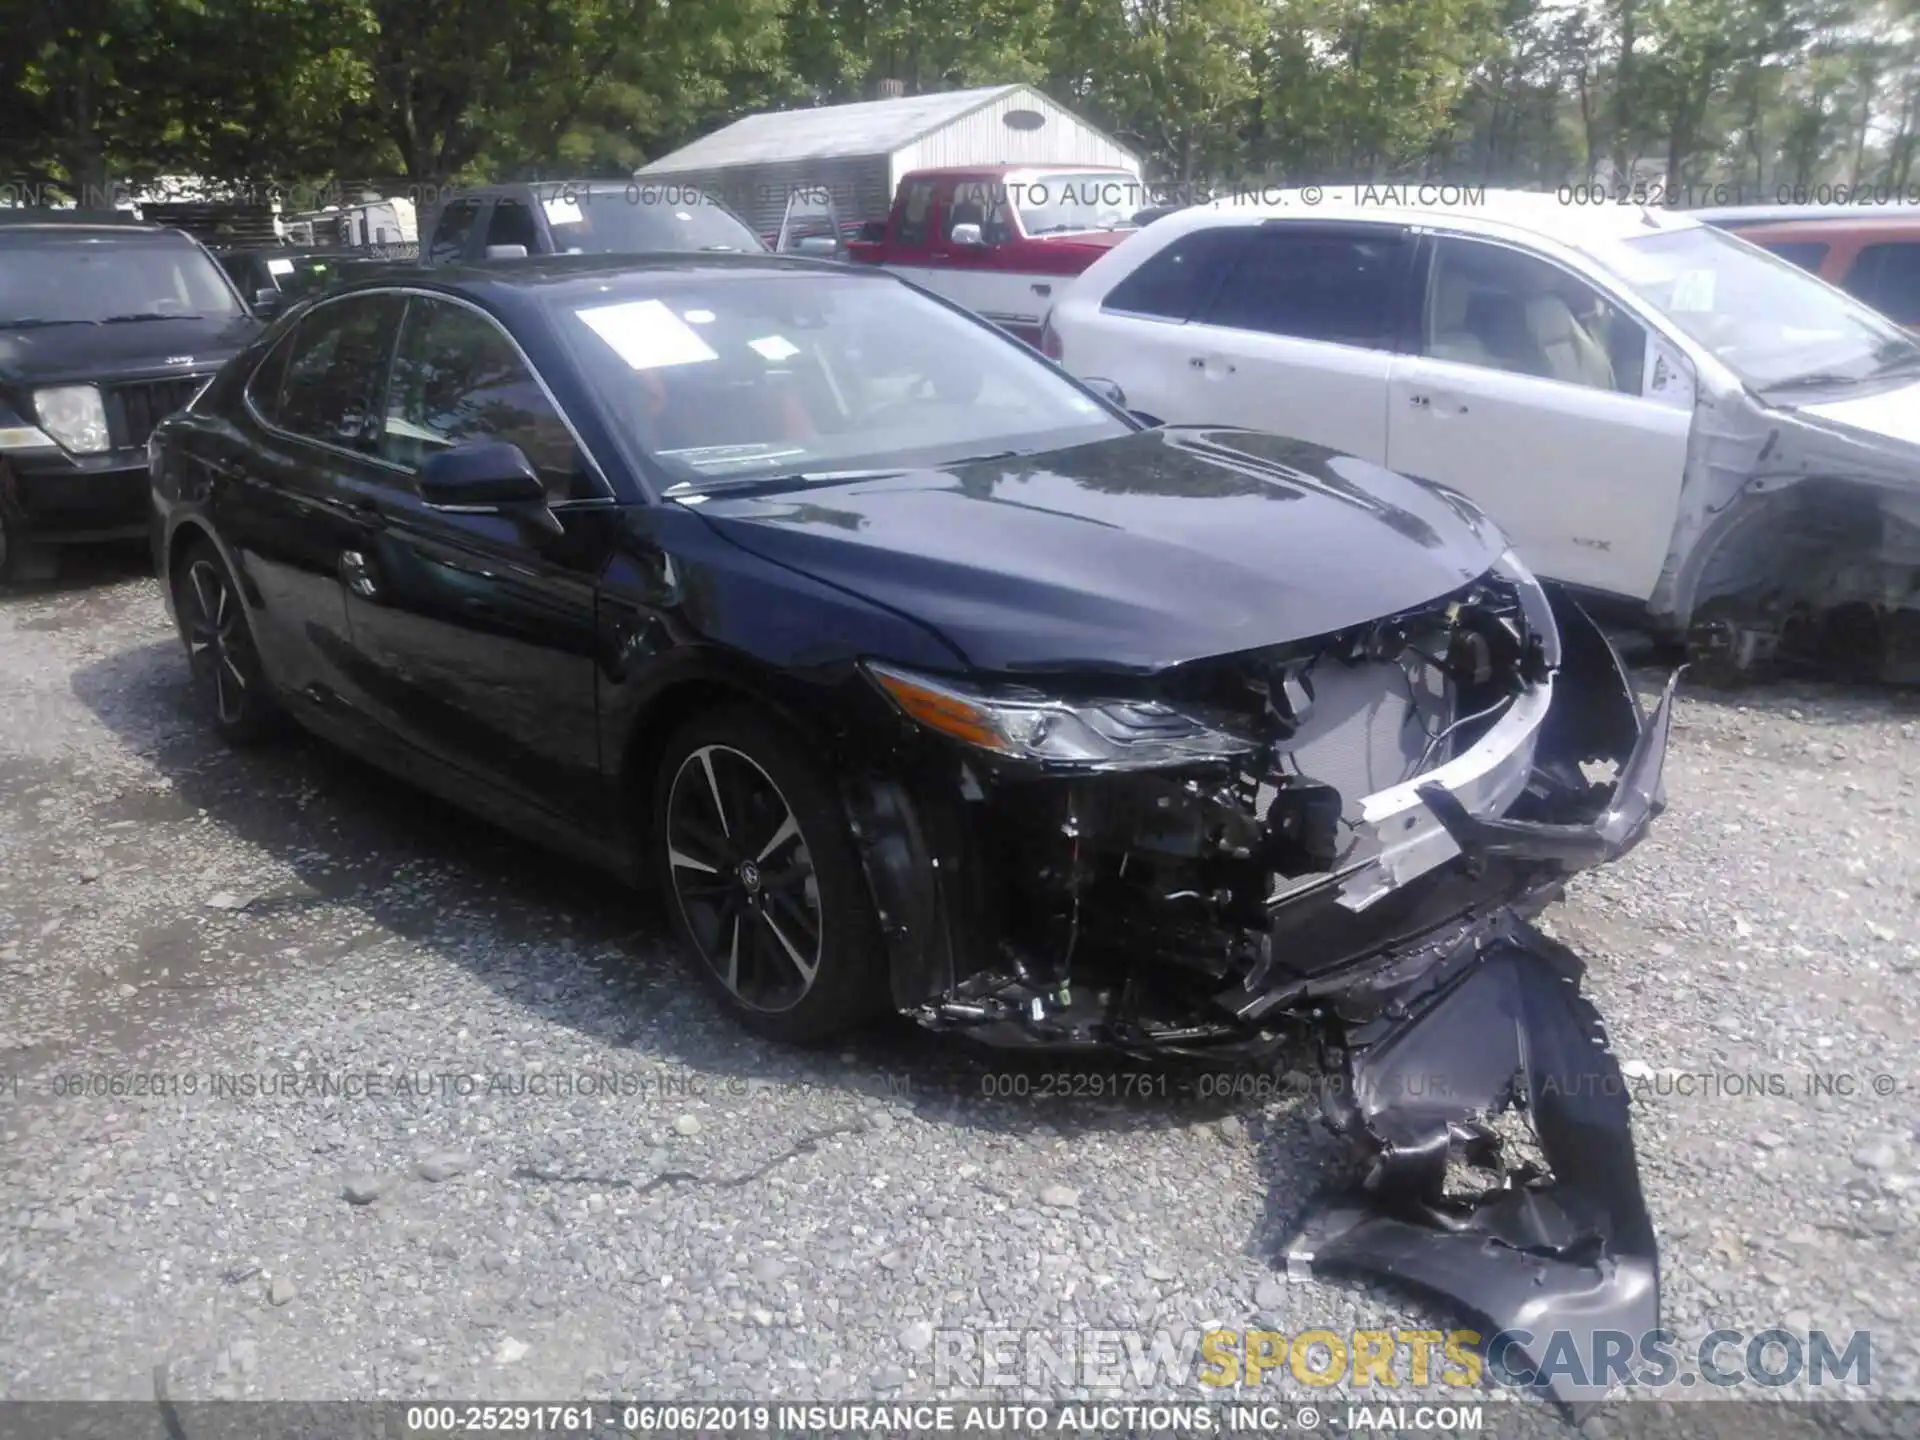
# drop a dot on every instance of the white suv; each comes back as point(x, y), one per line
point(1650, 407)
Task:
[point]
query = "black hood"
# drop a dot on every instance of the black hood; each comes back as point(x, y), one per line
point(51, 354)
point(1130, 554)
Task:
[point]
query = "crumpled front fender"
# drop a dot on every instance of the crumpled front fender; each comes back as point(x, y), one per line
point(1547, 1260)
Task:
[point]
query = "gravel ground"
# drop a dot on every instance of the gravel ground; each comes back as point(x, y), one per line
point(745, 1221)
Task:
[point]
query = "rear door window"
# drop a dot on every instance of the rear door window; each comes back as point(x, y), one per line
point(1887, 277)
point(1175, 282)
point(1346, 286)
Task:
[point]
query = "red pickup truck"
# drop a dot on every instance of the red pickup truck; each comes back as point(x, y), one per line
point(998, 239)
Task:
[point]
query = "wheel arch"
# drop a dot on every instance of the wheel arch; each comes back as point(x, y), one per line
point(698, 689)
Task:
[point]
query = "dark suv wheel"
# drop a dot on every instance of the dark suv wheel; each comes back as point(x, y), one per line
point(760, 877)
point(220, 649)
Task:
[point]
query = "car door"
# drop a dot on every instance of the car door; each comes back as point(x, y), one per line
point(1137, 334)
point(476, 632)
point(1300, 336)
point(284, 492)
point(977, 273)
point(1547, 402)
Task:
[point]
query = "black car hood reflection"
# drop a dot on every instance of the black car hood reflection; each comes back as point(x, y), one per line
point(1131, 554)
point(84, 351)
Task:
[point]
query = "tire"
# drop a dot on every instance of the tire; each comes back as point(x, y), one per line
point(753, 899)
point(221, 654)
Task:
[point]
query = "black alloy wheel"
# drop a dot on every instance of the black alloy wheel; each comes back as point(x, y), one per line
point(766, 890)
point(220, 649)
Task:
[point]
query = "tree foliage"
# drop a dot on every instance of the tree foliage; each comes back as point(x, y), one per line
point(1758, 93)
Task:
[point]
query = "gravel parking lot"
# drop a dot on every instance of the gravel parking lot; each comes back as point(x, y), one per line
point(714, 1218)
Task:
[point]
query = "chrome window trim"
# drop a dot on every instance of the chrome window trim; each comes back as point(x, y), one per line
point(408, 293)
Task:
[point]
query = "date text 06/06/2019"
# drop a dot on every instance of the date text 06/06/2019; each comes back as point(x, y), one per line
point(939, 1417)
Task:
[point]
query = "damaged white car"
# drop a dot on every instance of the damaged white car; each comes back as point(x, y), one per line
point(1655, 410)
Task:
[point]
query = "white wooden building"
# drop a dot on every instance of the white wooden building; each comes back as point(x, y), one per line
point(858, 152)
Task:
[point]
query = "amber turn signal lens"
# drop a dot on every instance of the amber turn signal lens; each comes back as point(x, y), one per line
point(948, 714)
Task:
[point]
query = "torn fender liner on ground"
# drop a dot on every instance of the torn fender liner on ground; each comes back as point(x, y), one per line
point(1548, 1261)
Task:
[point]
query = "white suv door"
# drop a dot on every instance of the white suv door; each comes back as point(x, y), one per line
point(1134, 330)
point(1549, 405)
point(1299, 338)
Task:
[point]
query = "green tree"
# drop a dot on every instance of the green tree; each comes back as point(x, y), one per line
point(74, 114)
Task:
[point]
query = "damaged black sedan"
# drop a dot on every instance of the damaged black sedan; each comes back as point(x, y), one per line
point(917, 675)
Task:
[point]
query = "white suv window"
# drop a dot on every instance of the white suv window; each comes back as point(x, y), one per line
point(1341, 285)
point(1496, 307)
point(1173, 283)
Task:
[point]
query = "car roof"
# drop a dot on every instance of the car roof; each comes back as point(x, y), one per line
point(1886, 227)
point(558, 189)
point(285, 252)
point(509, 281)
point(1741, 216)
point(97, 228)
point(1470, 208)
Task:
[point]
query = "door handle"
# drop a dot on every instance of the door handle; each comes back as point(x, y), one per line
point(357, 574)
point(1420, 402)
point(1198, 362)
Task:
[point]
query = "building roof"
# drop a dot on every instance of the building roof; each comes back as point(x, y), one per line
point(866, 127)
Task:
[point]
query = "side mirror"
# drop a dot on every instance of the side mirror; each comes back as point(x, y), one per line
point(486, 477)
point(506, 252)
point(873, 230)
point(267, 301)
point(1105, 389)
point(966, 234)
point(823, 246)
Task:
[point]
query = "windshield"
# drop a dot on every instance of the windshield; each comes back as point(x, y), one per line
point(1093, 200)
point(640, 219)
point(785, 376)
point(1766, 319)
point(97, 279)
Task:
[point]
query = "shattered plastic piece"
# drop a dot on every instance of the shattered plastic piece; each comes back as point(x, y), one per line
point(1568, 1253)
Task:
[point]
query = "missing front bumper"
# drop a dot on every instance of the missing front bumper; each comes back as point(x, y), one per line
point(1565, 1258)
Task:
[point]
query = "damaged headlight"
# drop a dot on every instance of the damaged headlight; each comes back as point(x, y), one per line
point(1095, 734)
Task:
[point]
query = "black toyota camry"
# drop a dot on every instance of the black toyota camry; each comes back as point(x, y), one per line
point(917, 675)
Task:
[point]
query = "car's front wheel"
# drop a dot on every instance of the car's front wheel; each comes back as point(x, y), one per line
point(759, 875)
point(221, 653)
